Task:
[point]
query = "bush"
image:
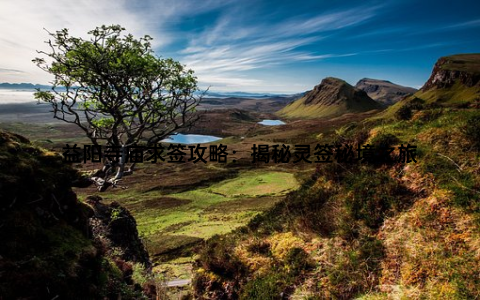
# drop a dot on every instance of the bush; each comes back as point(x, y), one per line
point(373, 197)
point(472, 131)
point(431, 115)
point(384, 140)
point(381, 143)
point(296, 261)
point(264, 288)
point(217, 256)
point(416, 103)
point(404, 113)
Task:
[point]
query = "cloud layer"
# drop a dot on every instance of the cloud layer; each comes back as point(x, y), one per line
point(252, 45)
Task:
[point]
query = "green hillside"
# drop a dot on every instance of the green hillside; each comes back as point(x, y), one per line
point(333, 97)
point(469, 63)
point(455, 81)
point(368, 230)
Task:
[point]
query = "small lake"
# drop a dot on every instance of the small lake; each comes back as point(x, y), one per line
point(191, 139)
point(8, 96)
point(271, 122)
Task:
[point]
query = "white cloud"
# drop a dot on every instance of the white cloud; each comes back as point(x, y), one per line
point(23, 21)
point(468, 24)
point(221, 55)
point(230, 46)
point(325, 22)
point(227, 80)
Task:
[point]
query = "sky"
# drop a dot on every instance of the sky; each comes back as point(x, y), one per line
point(271, 46)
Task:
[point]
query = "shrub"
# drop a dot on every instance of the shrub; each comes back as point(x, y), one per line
point(431, 115)
point(381, 143)
point(383, 140)
point(416, 103)
point(259, 247)
point(374, 196)
point(296, 261)
point(404, 113)
point(218, 257)
point(264, 288)
point(472, 131)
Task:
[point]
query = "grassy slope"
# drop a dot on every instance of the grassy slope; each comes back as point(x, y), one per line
point(379, 231)
point(298, 109)
point(457, 94)
point(464, 62)
point(371, 231)
point(170, 221)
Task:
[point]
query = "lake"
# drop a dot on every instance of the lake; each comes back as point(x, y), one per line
point(8, 96)
point(271, 122)
point(191, 139)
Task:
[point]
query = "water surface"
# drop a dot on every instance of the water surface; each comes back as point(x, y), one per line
point(8, 96)
point(271, 122)
point(191, 139)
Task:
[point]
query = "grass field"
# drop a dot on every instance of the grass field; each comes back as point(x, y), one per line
point(178, 206)
point(204, 212)
point(172, 223)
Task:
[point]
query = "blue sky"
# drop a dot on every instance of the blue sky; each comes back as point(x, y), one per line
point(259, 46)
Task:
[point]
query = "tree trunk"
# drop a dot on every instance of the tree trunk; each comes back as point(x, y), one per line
point(121, 164)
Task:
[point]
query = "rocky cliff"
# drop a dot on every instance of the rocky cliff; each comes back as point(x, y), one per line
point(461, 68)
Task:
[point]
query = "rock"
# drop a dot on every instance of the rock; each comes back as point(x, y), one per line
point(114, 226)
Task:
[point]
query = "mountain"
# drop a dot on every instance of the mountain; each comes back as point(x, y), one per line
point(212, 94)
point(383, 91)
point(371, 229)
point(22, 86)
point(449, 70)
point(331, 98)
point(454, 79)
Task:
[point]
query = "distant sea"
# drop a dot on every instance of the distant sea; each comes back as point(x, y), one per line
point(8, 96)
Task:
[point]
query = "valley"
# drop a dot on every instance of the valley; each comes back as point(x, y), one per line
point(337, 230)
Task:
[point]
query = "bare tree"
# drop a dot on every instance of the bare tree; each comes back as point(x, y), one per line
point(117, 91)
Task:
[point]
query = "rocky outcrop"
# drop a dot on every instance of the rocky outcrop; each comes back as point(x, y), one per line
point(334, 91)
point(462, 68)
point(383, 91)
point(113, 226)
point(333, 97)
point(46, 245)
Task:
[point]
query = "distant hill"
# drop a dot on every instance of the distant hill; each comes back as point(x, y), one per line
point(211, 94)
point(331, 98)
point(383, 91)
point(22, 86)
